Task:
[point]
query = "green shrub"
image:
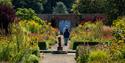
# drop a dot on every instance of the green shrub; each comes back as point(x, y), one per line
point(117, 56)
point(36, 51)
point(82, 54)
point(88, 32)
point(98, 55)
point(28, 14)
point(5, 53)
point(33, 59)
point(18, 46)
point(123, 51)
point(119, 29)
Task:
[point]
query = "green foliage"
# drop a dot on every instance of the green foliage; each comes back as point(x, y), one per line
point(28, 14)
point(33, 59)
point(6, 2)
point(95, 6)
point(68, 4)
point(35, 51)
point(5, 52)
point(82, 55)
point(60, 9)
point(98, 55)
point(89, 32)
point(115, 9)
point(36, 5)
point(112, 8)
point(17, 47)
point(101, 53)
point(48, 34)
point(50, 4)
point(7, 16)
point(119, 29)
point(24, 13)
point(30, 26)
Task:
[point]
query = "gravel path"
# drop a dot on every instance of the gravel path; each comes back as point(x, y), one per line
point(58, 58)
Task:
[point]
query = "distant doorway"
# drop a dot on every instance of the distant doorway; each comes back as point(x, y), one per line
point(64, 24)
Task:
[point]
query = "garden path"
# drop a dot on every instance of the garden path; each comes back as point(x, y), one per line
point(58, 58)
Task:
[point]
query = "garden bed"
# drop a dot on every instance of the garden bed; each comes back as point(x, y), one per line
point(75, 44)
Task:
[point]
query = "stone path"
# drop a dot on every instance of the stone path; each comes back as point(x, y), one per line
point(65, 48)
point(58, 58)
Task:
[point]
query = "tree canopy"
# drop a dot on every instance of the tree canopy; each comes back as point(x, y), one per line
point(60, 9)
point(36, 5)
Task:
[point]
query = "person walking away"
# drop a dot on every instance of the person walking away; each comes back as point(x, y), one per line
point(66, 37)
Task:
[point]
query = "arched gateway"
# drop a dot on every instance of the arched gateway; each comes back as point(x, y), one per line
point(61, 21)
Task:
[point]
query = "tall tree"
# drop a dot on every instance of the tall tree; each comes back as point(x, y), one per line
point(6, 2)
point(115, 8)
point(36, 5)
point(68, 4)
point(7, 15)
point(48, 6)
point(60, 9)
point(89, 6)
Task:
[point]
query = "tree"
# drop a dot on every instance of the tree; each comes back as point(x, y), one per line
point(6, 2)
point(89, 6)
point(48, 6)
point(68, 4)
point(112, 8)
point(36, 5)
point(60, 9)
point(7, 16)
point(25, 13)
point(115, 8)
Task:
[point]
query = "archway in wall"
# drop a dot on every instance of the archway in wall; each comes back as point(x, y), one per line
point(64, 24)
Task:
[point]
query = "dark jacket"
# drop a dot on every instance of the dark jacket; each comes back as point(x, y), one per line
point(66, 34)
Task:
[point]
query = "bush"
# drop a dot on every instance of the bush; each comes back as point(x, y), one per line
point(89, 32)
point(17, 47)
point(119, 29)
point(24, 13)
point(35, 51)
point(99, 56)
point(82, 54)
point(5, 52)
point(28, 14)
point(101, 53)
point(30, 26)
point(33, 59)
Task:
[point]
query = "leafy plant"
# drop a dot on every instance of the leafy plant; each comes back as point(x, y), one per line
point(89, 32)
point(99, 56)
point(33, 59)
point(60, 9)
point(82, 55)
point(119, 29)
point(28, 14)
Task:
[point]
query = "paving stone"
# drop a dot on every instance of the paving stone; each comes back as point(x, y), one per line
point(58, 58)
